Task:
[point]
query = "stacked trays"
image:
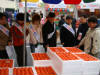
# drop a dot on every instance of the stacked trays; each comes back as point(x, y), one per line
point(6, 63)
point(41, 59)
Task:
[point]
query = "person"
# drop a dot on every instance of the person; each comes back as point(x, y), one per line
point(34, 11)
point(15, 14)
point(62, 21)
point(5, 38)
point(77, 25)
point(17, 32)
point(41, 14)
point(68, 33)
point(35, 31)
point(83, 27)
point(49, 32)
point(91, 41)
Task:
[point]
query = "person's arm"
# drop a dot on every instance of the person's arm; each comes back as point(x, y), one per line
point(62, 31)
point(41, 37)
point(96, 43)
point(10, 38)
point(82, 42)
point(45, 36)
point(32, 37)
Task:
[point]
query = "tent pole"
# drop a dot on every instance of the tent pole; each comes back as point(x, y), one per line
point(24, 51)
point(75, 12)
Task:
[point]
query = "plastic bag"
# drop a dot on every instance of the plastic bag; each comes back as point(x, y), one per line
point(12, 55)
point(39, 49)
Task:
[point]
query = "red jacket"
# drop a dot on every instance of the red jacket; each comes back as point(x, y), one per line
point(17, 36)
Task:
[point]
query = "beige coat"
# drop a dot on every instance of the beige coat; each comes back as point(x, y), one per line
point(95, 35)
point(33, 39)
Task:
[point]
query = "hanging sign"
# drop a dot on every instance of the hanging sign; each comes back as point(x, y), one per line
point(34, 1)
point(88, 1)
point(52, 1)
point(72, 1)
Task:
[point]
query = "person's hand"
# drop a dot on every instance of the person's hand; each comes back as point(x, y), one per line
point(62, 43)
point(46, 46)
point(78, 46)
point(9, 43)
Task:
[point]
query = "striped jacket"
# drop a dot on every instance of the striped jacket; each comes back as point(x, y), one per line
point(4, 40)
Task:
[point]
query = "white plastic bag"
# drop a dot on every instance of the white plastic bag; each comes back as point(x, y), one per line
point(12, 55)
point(39, 49)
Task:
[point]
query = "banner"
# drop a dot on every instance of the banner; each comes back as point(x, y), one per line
point(72, 1)
point(34, 1)
point(29, 4)
point(88, 1)
point(52, 1)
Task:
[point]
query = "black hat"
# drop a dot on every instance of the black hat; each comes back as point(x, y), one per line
point(69, 17)
point(51, 14)
point(93, 19)
point(20, 16)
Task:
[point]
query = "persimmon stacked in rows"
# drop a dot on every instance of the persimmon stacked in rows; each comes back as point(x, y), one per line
point(45, 71)
point(4, 71)
point(87, 57)
point(6, 63)
point(67, 56)
point(40, 56)
point(23, 71)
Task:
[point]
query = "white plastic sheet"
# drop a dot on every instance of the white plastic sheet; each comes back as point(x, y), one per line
point(12, 55)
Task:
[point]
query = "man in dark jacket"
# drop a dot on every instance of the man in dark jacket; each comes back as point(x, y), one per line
point(82, 29)
point(68, 33)
point(49, 32)
point(62, 21)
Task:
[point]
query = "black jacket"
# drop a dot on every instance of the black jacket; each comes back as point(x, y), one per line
point(47, 29)
point(67, 37)
point(83, 28)
point(61, 22)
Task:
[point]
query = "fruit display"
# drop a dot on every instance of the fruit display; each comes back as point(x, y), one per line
point(73, 49)
point(6, 63)
point(40, 56)
point(23, 71)
point(45, 71)
point(87, 57)
point(4, 71)
point(67, 56)
point(57, 49)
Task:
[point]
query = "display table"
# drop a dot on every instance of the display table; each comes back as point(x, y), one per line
point(57, 61)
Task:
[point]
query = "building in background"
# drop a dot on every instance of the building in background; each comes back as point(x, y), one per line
point(8, 5)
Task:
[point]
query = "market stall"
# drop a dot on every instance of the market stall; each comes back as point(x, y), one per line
point(57, 60)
